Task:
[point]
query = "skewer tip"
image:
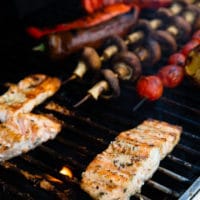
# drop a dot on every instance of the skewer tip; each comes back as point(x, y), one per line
point(84, 99)
point(71, 78)
point(139, 104)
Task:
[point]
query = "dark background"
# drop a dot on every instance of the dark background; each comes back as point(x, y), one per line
point(16, 55)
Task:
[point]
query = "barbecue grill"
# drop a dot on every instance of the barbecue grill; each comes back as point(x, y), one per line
point(53, 169)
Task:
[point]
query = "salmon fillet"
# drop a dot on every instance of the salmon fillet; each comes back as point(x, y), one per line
point(131, 159)
point(28, 93)
point(24, 132)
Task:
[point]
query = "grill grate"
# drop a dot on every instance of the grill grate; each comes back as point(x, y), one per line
point(87, 132)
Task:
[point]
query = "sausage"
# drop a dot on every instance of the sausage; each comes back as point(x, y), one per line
point(59, 45)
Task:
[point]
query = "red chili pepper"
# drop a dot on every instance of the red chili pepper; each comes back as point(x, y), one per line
point(86, 22)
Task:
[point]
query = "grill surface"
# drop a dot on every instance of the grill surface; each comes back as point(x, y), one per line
point(88, 130)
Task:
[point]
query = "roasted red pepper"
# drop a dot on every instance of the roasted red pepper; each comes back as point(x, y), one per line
point(100, 11)
point(61, 44)
point(93, 5)
point(88, 21)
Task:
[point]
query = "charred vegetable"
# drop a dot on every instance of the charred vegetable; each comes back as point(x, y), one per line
point(192, 67)
point(85, 22)
point(93, 5)
point(59, 45)
point(150, 87)
point(171, 75)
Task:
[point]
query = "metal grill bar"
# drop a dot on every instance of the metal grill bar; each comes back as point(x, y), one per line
point(58, 156)
point(163, 189)
point(8, 188)
point(73, 181)
point(173, 175)
point(163, 170)
point(189, 150)
point(140, 196)
point(37, 180)
point(183, 163)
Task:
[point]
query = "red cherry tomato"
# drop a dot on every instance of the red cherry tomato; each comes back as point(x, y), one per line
point(196, 35)
point(189, 46)
point(171, 75)
point(177, 59)
point(150, 87)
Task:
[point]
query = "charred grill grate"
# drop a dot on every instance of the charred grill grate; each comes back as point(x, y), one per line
point(87, 132)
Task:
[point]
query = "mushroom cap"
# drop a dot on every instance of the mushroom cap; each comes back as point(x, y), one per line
point(154, 52)
point(196, 12)
point(143, 25)
point(166, 40)
point(113, 81)
point(91, 58)
point(182, 3)
point(115, 40)
point(130, 62)
point(165, 15)
point(184, 28)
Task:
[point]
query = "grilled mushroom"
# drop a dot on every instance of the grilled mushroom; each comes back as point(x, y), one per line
point(183, 29)
point(178, 6)
point(192, 15)
point(176, 25)
point(107, 88)
point(127, 65)
point(149, 53)
point(113, 81)
point(90, 60)
point(166, 40)
point(137, 35)
point(112, 45)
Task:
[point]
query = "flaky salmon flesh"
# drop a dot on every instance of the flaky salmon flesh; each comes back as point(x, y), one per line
point(132, 158)
point(26, 94)
point(24, 132)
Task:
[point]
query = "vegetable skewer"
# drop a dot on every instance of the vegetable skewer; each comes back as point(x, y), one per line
point(170, 75)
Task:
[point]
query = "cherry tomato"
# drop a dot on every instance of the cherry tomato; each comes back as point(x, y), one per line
point(150, 87)
point(177, 59)
point(196, 35)
point(171, 75)
point(189, 46)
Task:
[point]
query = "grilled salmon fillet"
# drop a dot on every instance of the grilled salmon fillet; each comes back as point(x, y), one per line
point(24, 132)
point(131, 159)
point(28, 93)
